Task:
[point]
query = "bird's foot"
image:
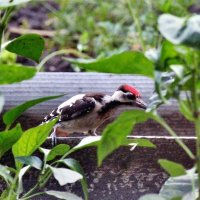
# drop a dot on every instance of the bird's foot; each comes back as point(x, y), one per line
point(53, 138)
point(93, 133)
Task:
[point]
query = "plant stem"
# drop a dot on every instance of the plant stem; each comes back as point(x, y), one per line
point(172, 133)
point(134, 14)
point(3, 23)
point(30, 191)
point(11, 189)
point(196, 114)
point(31, 196)
point(62, 51)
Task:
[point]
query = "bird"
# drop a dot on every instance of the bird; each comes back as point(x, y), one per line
point(84, 113)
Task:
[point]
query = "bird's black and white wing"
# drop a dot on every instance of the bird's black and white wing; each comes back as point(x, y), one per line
point(73, 108)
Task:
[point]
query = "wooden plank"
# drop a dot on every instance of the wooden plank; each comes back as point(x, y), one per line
point(45, 84)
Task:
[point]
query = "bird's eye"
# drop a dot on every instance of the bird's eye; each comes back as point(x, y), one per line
point(130, 96)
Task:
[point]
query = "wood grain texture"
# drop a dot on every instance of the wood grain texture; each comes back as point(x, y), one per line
point(46, 84)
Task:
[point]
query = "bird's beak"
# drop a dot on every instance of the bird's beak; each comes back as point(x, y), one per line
point(140, 103)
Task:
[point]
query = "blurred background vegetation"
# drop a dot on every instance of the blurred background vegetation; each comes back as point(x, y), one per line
point(96, 28)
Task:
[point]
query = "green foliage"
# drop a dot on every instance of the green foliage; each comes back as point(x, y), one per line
point(123, 63)
point(8, 3)
point(7, 58)
point(180, 30)
point(151, 197)
point(9, 138)
point(115, 133)
point(28, 45)
point(33, 161)
point(10, 116)
point(185, 109)
point(74, 165)
point(58, 150)
point(64, 176)
point(184, 187)
point(34, 137)
point(173, 169)
point(63, 195)
point(15, 73)
point(5, 174)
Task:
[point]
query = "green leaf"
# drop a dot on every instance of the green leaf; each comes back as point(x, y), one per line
point(20, 175)
point(64, 176)
point(31, 140)
point(181, 186)
point(6, 175)
point(141, 142)
point(9, 138)
point(151, 197)
point(178, 70)
point(114, 135)
point(33, 161)
point(10, 116)
point(1, 102)
point(185, 110)
point(172, 168)
point(180, 30)
point(86, 142)
point(58, 150)
point(167, 54)
point(74, 165)
point(8, 3)
point(15, 73)
point(63, 195)
point(128, 62)
point(28, 45)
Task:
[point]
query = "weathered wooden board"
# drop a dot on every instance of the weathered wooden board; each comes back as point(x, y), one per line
point(45, 84)
point(124, 175)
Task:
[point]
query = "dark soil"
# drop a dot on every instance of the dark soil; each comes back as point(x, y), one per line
point(34, 16)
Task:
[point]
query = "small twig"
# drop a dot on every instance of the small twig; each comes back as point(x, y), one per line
point(60, 52)
point(21, 31)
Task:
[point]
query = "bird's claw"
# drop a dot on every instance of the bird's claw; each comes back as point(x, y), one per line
point(53, 138)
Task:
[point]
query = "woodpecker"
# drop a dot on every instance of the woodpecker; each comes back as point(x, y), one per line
point(84, 113)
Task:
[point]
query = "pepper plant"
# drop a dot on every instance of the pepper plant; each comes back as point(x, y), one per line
point(24, 143)
point(175, 68)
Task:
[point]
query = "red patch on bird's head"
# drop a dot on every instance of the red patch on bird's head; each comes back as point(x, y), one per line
point(131, 89)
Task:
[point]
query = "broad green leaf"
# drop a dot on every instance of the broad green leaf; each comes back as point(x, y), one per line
point(58, 150)
point(128, 62)
point(180, 30)
point(178, 70)
point(63, 195)
point(8, 3)
point(141, 142)
point(181, 186)
point(89, 141)
point(20, 175)
point(114, 135)
point(167, 54)
point(64, 176)
point(28, 45)
point(172, 168)
point(74, 165)
point(5, 195)
point(6, 175)
point(31, 140)
point(151, 197)
point(185, 110)
point(33, 161)
point(15, 73)
point(10, 116)
point(1, 102)
point(9, 138)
